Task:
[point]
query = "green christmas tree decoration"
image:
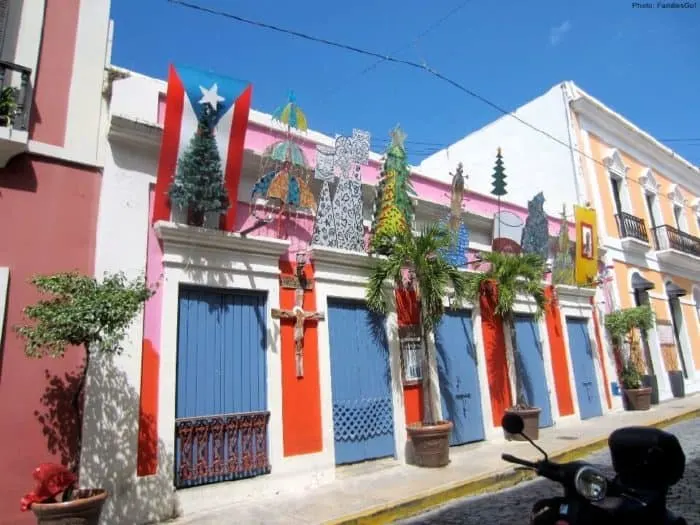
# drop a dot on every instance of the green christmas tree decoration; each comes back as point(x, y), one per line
point(499, 176)
point(393, 208)
point(535, 236)
point(199, 181)
point(563, 265)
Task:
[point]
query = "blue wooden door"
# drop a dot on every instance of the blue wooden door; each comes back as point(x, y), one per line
point(529, 363)
point(459, 377)
point(363, 411)
point(582, 359)
point(221, 399)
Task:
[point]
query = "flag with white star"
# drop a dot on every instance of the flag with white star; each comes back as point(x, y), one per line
point(189, 92)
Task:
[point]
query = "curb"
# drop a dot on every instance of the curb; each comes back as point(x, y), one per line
point(402, 509)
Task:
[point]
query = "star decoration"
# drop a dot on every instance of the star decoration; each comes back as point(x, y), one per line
point(397, 136)
point(211, 96)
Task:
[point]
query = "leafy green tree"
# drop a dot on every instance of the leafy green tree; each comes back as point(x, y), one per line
point(198, 185)
point(81, 312)
point(432, 275)
point(513, 275)
point(563, 265)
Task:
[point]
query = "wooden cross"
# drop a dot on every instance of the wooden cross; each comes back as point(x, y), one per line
point(300, 317)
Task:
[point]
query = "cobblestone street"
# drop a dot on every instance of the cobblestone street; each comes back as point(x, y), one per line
point(512, 506)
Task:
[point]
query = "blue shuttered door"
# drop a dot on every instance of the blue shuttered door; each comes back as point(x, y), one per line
point(529, 362)
point(459, 378)
point(221, 379)
point(582, 359)
point(363, 422)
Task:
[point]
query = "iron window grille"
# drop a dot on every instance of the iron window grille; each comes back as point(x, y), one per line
point(411, 358)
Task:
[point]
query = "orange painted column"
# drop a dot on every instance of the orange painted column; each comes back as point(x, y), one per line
point(599, 342)
point(557, 346)
point(495, 350)
point(407, 315)
point(301, 396)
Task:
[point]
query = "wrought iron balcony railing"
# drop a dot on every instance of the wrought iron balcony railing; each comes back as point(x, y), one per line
point(631, 226)
point(669, 238)
point(15, 95)
point(221, 448)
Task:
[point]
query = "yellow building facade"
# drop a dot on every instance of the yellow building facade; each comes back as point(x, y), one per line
point(647, 200)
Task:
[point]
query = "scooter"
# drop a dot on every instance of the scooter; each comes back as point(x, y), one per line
point(647, 462)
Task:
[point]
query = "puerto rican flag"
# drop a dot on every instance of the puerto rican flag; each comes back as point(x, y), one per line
point(188, 90)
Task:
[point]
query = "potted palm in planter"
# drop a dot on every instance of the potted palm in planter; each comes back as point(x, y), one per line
point(431, 275)
point(77, 311)
point(621, 325)
point(510, 276)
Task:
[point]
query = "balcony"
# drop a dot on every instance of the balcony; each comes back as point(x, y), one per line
point(676, 247)
point(15, 106)
point(633, 233)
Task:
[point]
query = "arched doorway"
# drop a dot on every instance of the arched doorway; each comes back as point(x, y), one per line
point(641, 288)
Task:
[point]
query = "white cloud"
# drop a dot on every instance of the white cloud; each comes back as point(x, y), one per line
point(558, 32)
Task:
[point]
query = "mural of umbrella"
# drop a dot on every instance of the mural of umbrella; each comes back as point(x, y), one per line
point(284, 183)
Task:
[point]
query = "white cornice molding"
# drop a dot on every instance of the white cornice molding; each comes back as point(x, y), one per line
point(649, 182)
point(342, 258)
point(574, 293)
point(676, 195)
point(613, 161)
point(182, 235)
point(134, 131)
point(636, 142)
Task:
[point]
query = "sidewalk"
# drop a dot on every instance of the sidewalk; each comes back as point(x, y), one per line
point(382, 491)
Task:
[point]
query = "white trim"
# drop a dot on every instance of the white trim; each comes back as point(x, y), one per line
point(613, 161)
point(675, 195)
point(648, 181)
point(684, 343)
point(60, 153)
point(4, 291)
point(637, 143)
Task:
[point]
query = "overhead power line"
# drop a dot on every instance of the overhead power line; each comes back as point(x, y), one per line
point(389, 58)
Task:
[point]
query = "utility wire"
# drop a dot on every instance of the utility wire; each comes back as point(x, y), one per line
point(412, 43)
point(389, 58)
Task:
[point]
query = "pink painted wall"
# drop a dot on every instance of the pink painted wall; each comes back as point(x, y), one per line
point(54, 72)
point(48, 214)
point(259, 137)
point(150, 357)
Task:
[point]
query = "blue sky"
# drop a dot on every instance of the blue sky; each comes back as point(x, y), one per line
point(643, 63)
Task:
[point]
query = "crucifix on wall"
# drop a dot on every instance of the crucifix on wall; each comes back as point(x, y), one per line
point(299, 315)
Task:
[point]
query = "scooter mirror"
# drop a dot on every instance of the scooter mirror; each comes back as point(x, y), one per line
point(512, 423)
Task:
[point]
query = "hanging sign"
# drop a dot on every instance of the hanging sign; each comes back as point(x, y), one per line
point(586, 245)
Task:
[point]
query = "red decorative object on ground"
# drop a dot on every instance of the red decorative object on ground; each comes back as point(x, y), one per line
point(52, 480)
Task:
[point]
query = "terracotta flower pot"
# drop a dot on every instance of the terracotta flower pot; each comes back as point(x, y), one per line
point(431, 443)
point(85, 509)
point(637, 398)
point(531, 421)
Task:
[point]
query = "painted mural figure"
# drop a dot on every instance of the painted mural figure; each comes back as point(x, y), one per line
point(340, 225)
point(535, 237)
point(457, 253)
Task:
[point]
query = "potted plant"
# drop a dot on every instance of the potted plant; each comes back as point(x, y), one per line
point(81, 312)
point(508, 276)
point(431, 275)
point(621, 325)
point(8, 105)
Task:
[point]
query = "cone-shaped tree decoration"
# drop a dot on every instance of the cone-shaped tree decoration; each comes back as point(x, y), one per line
point(393, 210)
point(199, 182)
point(499, 176)
point(535, 238)
point(563, 266)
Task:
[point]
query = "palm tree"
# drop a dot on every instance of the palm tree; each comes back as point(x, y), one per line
point(431, 275)
point(513, 274)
